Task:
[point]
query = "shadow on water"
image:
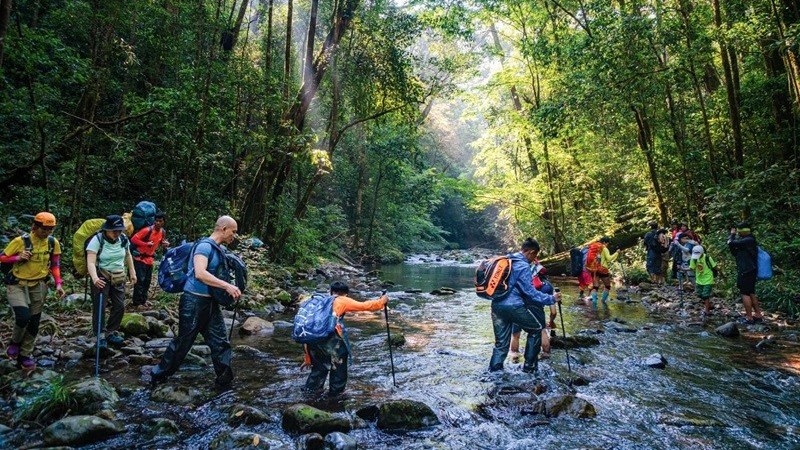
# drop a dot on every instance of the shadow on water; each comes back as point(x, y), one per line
point(443, 363)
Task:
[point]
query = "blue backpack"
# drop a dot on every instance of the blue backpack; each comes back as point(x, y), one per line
point(174, 268)
point(315, 320)
point(764, 263)
point(144, 215)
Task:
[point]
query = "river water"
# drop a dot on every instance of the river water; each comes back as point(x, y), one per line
point(443, 364)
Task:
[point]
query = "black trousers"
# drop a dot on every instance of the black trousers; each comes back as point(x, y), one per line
point(328, 360)
point(198, 314)
point(144, 276)
point(114, 296)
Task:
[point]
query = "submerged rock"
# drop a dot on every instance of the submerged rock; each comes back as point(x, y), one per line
point(80, 430)
point(301, 418)
point(236, 440)
point(398, 339)
point(340, 441)
point(247, 415)
point(405, 415)
point(311, 441)
point(656, 361)
point(369, 413)
point(730, 329)
point(565, 404)
point(683, 420)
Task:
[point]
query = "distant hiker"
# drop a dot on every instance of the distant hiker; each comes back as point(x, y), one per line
point(108, 252)
point(653, 247)
point(683, 253)
point(30, 259)
point(146, 241)
point(745, 251)
point(703, 266)
point(665, 241)
point(598, 262)
point(541, 284)
point(198, 312)
point(328, 357)
point(675, 228)
point(522, 306)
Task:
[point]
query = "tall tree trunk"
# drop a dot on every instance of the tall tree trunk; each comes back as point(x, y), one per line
point(5, 16)
point(287, 55)
point(312, 33)
point(645, 141)
point(731, 87)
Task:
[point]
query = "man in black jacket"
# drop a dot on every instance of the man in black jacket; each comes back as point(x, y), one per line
point(745, 251)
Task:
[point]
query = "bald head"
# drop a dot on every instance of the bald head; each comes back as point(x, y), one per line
point(225, 222)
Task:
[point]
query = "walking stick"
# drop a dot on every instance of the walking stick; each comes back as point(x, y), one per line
point(99, 330)
point(389, 337)
point(564, 334)
point(233, 321)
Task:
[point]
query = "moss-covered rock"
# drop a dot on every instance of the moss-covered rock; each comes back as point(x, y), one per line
point(92, 395)
point(134, 324)
point(161, 428)
point(80, 430)
point(565, 404)
point(301, 418)
point(178, 395)
point(242, 414)
point(241, 440)
point(405, 415)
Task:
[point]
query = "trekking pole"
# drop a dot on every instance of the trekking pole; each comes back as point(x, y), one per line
point(680, 285)
point(564, 333)
point(233, 320)
point(99, 330)
point(389, 337)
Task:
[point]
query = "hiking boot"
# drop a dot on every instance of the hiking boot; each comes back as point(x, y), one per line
point(12, 351)
point(745, 321)
point(531, 370)
point(115, 339)
point(156, 380)
point(103, 344)
point(26, 363)
point(225, 379)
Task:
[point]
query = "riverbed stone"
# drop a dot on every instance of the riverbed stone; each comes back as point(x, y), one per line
point(730, 329)
point(241, 440)
point(177, 394)
point(565, 404)
point(301, 418)
point(693, 420)
point(92, 395)
point(156, 328)
point(576, 341)
point(405, 415)
point(159, 343)
point(80, 430)
point(443, 291)
point(134, 324)
point(340, 441)
point(369, 412)
point(656, 361)
point(256, 326)
point(243, 414)
point(398, 339)
point(311, 441)
point(161, 428)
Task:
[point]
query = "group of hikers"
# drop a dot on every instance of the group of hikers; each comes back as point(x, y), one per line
point(112, 260)
point(693, 267)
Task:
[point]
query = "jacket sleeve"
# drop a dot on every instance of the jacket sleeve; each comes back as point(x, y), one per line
point(138, 238)
point(525, 286)
point(344, 304)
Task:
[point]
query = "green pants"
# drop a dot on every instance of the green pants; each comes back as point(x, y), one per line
point(27, 304)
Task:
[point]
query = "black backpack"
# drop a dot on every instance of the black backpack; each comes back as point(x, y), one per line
point(231, 269)
point(6, 269)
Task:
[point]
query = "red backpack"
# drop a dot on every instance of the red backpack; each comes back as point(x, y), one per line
point(593, 258)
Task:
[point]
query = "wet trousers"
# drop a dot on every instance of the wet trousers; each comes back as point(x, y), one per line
point(328, 360)
point(531, 319)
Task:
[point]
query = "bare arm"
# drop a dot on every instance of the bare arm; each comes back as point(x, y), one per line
point(204, 276)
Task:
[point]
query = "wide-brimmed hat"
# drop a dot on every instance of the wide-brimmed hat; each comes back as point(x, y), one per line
point(113, 223)
point(697, 251)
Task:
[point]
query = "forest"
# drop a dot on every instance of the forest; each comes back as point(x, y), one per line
point(374, 128)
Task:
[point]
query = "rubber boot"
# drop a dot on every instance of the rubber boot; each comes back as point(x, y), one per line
point(605, 296)
point(594, 297)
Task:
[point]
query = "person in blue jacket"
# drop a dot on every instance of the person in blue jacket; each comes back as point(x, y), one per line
point(523, 307)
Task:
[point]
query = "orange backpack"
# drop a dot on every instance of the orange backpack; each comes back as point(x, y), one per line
point(593, 258)
point(492, 278)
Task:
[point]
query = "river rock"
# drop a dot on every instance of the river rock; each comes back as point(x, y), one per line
point(405, 415)
point(413, 291)
point(241, 440)
point(160, 428)
point(76, 300)
point(134, 324)
point(369, 413)
point(158, 343)
point(243, 414)
point(311, 441)
point(301, 418)
point(178, 395)
point(443, 291)
point(250, 351)
point(340, 441)
point(256, 326)
point(201, 350)
point(683, 420)
point(398, 339)
point(576, 341)
point(645, 286)
point(730, 329)
point(92, 395)
point(283, 297)
point(565, 404)
point(80, 430)
point(656, 361)
point(619, 326)
point(156, 328)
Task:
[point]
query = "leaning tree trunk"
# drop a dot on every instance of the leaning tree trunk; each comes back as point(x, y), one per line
point(559, 264)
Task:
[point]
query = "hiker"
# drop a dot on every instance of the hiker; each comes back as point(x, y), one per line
point(107, 254)
point(598, 262)
point(540, 283)
point(665, 241)
point(198, 312)
point(745, 251)
point(34, 257)
point(328, 358)
point(703, 266)
point(522, 306)
point(653, 248)
point(146, 241)
point(683, 255)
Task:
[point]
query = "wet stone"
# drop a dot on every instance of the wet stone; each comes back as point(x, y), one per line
point(237, 440)
point(178, 395)
point(340, 441)
point(301, 418)
point(565, 404)
point(730, 329)
point(79, 430)
point(405, 415)
point(577, 341)
point(92, 395)
point(683, 420)
point(256, 326)
point(369, 413)
point(243, 414)
point(311, 441)
point(656, 361)
point(161, 428)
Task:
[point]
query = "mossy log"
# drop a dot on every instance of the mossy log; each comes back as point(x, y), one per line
point(559, 264)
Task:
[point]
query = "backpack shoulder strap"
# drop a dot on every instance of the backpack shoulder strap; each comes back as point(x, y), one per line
point(149, 233)
point(101, 240)
point(51, 244)
point(26, 241)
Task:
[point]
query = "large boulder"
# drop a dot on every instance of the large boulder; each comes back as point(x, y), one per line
point(565, 404)
point(405, 415)
point(80, 430)
point(340, 441)
point(730, 329)
point(301, 418)
point(134, 324)
point(256, 326)
point(92, 395)
point(177, 394)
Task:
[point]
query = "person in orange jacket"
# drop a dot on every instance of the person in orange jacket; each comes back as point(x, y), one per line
point(328, 359)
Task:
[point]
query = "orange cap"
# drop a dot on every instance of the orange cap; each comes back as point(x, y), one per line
point(45, 219)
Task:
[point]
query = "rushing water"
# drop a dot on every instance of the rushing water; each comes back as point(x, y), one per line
point(444, 361)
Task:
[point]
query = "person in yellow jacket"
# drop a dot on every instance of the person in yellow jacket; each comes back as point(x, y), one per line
point(598, 262)
point(35, 257)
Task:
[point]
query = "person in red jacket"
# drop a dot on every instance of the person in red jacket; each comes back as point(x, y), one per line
point(146, 241)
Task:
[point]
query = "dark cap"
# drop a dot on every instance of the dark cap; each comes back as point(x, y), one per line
point(605, 239)
point(113, 223)
point(743, 225)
